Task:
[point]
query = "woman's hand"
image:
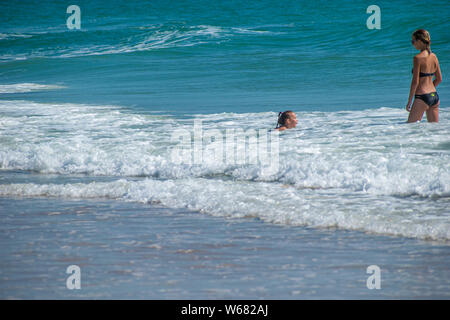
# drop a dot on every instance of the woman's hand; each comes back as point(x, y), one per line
point(408, 106)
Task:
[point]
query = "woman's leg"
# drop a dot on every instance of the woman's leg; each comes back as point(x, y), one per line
point(417, 110)
point(433, 113)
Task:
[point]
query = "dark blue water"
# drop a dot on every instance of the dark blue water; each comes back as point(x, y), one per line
point(197, 57)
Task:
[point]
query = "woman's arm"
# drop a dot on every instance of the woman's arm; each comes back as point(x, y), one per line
point(414, 82)
point(438, 74)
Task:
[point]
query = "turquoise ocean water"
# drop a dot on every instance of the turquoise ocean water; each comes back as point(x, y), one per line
point(198, 57)
point(89, 115)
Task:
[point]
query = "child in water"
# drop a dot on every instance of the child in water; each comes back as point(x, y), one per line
point(286, 120)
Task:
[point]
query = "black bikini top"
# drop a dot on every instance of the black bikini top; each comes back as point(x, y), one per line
point(424, 74)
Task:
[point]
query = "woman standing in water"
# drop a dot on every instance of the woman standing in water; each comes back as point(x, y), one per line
point(423, 87)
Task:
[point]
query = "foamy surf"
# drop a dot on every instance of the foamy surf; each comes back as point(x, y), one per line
point(27, 87)
point(144, 38)
point(350, 170)
point(269, 202)
point(329, 150)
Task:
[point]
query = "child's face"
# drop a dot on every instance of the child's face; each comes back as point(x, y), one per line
point(292, 121)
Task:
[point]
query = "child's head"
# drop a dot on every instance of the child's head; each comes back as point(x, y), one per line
point(287, 119)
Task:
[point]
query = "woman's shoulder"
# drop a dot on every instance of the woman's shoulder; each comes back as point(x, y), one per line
point(420, 55)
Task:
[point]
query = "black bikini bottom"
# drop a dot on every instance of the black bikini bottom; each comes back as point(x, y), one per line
point(429, 98)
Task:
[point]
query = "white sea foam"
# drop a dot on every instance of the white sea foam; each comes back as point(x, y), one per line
point(7, 36)
point(160, 39)
point(364, 170)
point(26, 87)
point(150, 38)
point(273, 203)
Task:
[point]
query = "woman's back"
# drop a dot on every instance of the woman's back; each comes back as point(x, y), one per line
point(427, 63)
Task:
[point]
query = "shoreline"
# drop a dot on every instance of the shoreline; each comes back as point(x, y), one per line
point(130, 250)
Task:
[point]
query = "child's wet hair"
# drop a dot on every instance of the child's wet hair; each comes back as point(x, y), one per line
point(282, 117)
